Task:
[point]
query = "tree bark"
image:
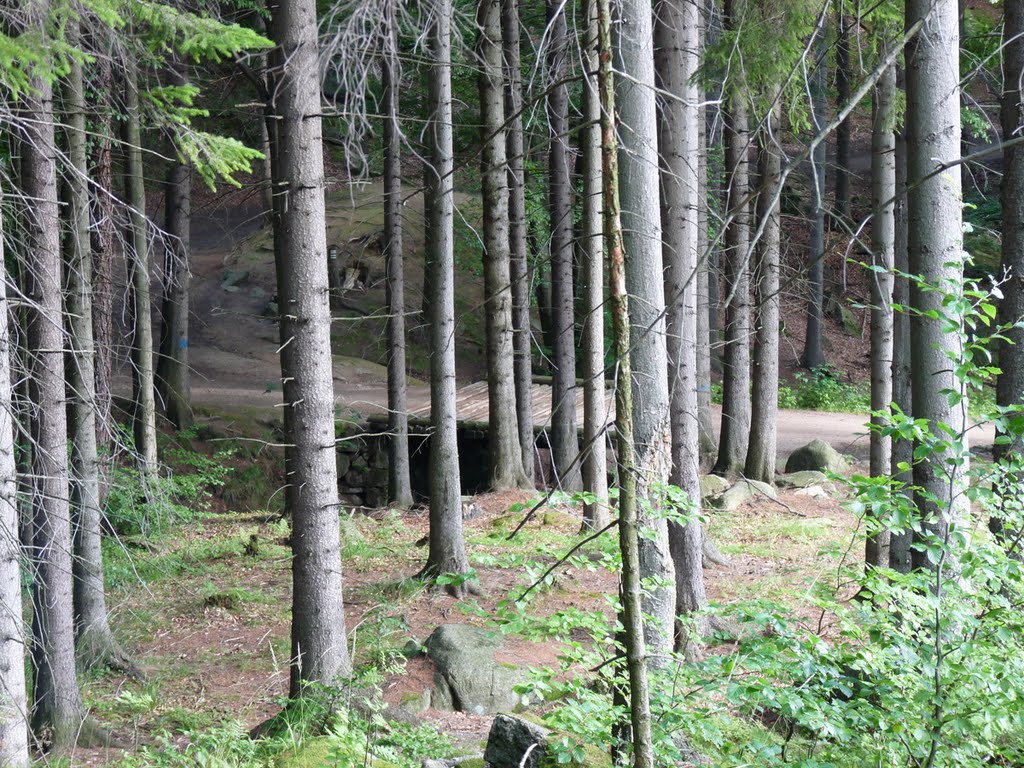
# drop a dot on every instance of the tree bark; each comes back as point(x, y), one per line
point(399, 483)
point(57, 704)
point(735, 429)
point(515, 152)
point(813, 356)
point(93, 637)
point(714, 124)
point(708, 445)
point(319, 650)
point(596, 515)
point(1010, 385)
point(632, 616)
point(902, 450)
point(883, 246)
point(102, 245)
point(935, 248)
point(676, 58)
point(506, 455)
point(14, 701)
point(143, 392)
point(642, 233)
point(564, 440)
point(762, 447)
point(843, 79)
point(447, 554)
point(172, 372)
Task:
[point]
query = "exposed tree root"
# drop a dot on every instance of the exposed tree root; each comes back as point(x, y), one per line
point(712, 556)
point(98, 649)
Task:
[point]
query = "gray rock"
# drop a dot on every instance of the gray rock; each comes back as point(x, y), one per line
point(816, 455)
point(416, 703)
point(412, 649)
point(451, 762)
point(515, 743)
point(741, 492)
point(802, 479)
point(733, 497)
point(814, 491)
point(467, 675)
point(713, 485)
point(851, 323)
point(764, 490)
point(232, 278)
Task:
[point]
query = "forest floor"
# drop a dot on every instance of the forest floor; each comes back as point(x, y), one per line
point(204, 607)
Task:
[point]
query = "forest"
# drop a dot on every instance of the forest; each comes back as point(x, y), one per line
point(498, 384)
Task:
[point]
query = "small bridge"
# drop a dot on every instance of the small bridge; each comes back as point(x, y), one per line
point(363, 455)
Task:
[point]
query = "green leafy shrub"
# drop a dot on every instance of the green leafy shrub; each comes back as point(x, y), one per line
point(172, 498)
point(821, 390)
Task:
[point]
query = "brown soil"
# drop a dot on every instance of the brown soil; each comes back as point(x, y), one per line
point(232, 663)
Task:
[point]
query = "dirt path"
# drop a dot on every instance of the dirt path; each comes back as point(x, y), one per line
point(234, 343)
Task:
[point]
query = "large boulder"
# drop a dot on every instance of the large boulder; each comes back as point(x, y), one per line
point(515, 743)
point(741, 492)
point(817, 455)
point(712, 486)
point(468, 677)
point(802, 479)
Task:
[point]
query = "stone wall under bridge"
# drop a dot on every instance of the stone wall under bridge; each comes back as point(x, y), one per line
point(362, 456)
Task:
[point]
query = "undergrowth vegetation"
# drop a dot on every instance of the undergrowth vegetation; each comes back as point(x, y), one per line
point(815, 662)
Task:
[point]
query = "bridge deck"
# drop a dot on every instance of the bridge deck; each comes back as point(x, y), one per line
point(471, 405)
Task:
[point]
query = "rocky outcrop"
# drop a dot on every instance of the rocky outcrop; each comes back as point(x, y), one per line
point(818, 456)
point(468, 675)
point(802, 479)
point(515, 743)
point(741, 492)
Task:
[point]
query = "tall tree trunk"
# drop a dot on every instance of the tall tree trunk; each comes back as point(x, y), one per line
point(447, 549)
point(714, 188)
point(515, 152)
point(143, 393)
point(735, 430)
point(1010, 385)
point(506, 455)
point(564, 441)
point(813, 356)
point(429, 198)
point(14, 701)
point(704, 414)
point(762, 448)
point(399, 484)
point(631, 592)
point(57, 704)
point(902, 450)
point(676, 41)
point(883, 246)
point(935, 248)
point(172, 372)
point(319, 651)
point(595, 412)
point(645, 281)
point(93, 637)
point(102, 245)
point(843, 79)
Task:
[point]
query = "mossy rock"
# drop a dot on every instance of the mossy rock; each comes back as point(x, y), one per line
point(817, 456)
